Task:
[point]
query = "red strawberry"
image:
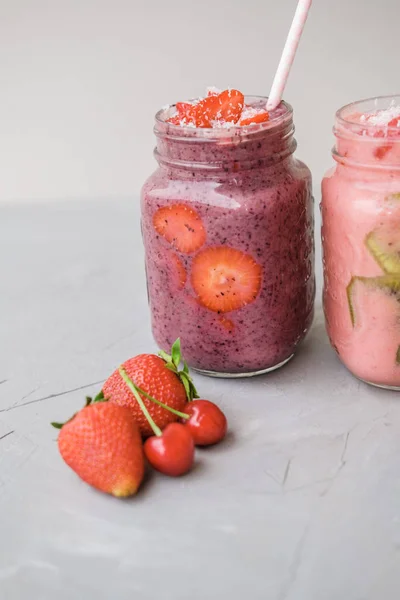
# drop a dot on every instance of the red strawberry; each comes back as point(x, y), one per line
point(225, 279)
point(174, 120)
point(184, 114)
point(260, 117)
point(187, 112)
point(193, 114)
point(184, 108)
point(181, 226)
point(231, 103)
point(392, 131)
point(102, 444)
point(206, 111)
point(394, 122)
point(156, 377)
point(169, 451)
point(381, 151)
point(150, 374)
point(223, 106)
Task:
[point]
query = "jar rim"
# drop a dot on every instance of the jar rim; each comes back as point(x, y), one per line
point(365, 105)
point(282, 117)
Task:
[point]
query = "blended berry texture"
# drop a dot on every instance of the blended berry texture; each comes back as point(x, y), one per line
point(247, 194)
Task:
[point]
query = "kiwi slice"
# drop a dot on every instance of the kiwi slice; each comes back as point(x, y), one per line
point(388, 284)
point(384, 245)
point(384, 241)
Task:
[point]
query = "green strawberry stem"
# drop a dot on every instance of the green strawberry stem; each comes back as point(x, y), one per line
point(173, 362)
point(89, 400)
point(157, 431)
point(169, 408)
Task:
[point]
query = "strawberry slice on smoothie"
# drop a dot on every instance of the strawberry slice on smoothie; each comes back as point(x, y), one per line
point(181, 226)
point(231, 103)
point(206, 111)
point(225, 279)
point(394, 122)
point(388, 128)
point(186, 112)
point(252, 116)
point(215, 109)
point(199, 114)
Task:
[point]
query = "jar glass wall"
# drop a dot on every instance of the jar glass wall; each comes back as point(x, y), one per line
point(361, 241)
point(227, 222)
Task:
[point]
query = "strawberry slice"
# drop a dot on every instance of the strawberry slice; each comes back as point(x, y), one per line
point(394, 129)
point(186, 114)
point(175, 120)
point(181, 226)
point(200, 114)
point(183, 108)
point(205, 111)
point(179, 275)
point(231, 103)
point(260, 117)
point(225, 279)
point(394, 122)
point(223, 106)
point(227, 324)
point(381, 151)
point(213, 91)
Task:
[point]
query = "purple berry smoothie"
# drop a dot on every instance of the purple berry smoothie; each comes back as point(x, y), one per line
point(251, 195)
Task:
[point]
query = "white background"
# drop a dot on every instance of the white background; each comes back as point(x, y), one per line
point(80, 80)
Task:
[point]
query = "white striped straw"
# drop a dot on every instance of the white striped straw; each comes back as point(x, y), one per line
point(288, 54)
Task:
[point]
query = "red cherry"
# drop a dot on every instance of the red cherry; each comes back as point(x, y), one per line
point(207, 423)
point(172, 452)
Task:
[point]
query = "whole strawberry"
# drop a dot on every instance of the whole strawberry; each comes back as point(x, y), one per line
point(156, 376)
point(102, 444)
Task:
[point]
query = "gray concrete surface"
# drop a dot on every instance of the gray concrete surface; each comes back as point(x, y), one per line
point(300, 503)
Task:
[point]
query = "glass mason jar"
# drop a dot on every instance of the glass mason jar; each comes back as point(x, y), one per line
point(227, 223)
point(361, 244)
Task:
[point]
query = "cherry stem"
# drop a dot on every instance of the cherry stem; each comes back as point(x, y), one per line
point(157, 431)
point(169, 408)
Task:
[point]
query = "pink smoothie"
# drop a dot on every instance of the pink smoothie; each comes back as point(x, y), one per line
point(361, 242)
